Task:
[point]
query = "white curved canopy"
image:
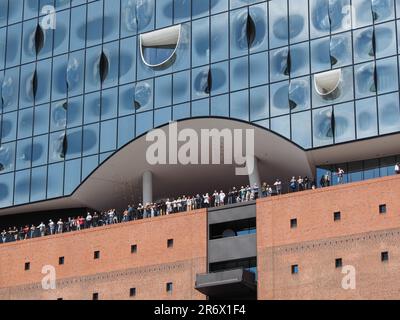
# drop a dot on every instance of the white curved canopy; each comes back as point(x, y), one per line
point(327, 82)
point(167, 37)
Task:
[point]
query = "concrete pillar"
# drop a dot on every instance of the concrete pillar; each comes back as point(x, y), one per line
point(147, 187)
point(254, 175)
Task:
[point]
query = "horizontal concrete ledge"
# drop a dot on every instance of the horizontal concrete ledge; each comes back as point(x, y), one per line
point(233, 248)
point(237, 282)
point(232, 206)
point(239, 211)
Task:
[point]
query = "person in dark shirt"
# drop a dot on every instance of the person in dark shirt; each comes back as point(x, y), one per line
point(235, 194)
point(95, 219)
point(21, 234)
point(306, 182)
point(131, 214)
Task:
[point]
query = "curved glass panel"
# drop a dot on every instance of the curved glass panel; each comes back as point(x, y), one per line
point(367, 118)
point(281, 125)
point(298, 20)
point(382, 10)
point(280, 98)
point(74, 73)
point(387, 75)
point(320, 55)
point(323, 127)
point(143, 96)
point(219, 37)
point(22, 187)
point(38, 183)
point(9, 90)
point(279, 64)
point(24, 154)
point(340, 15)
point(259, 103)
point(385, 37)
point(344, 122)
point(25, 123)
point(299, 60)
point(340, 50)
point(365, 80)
point(40, 150)
point(7, 156)
point(364, 44)
point(278, 23)
point(58, 116)
point(389, 113)
point(362, 12)
point(299, 94)
point(319, 16)
point(301, 129)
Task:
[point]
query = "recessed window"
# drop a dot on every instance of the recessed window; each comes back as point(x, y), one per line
point(61, 260)
point(337, 216)
point(97, 255)
point(295, 269)
point(170, 243)
point(384, 256)
point(134, 248)
point(169, 287)
point(27, 266)
point(338, 263)
point(293, 223)
point(132, 292)
point(382, 209)
point(95, 296)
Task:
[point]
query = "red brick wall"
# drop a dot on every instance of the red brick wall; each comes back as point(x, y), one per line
point(117, 270)
point(359, 238)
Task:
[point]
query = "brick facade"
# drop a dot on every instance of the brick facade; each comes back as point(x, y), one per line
point(118, 270)
point(358, 239)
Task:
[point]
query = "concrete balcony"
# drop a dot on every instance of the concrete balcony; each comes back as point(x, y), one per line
point(238, 283)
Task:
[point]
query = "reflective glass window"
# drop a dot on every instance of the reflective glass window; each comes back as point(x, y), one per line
point(55, 180)
point(367, 118)
point(73, 172)
point(126, 130)
point(108, 137)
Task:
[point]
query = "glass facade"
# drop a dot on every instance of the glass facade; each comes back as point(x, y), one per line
point(359, 170)
point(318, 72)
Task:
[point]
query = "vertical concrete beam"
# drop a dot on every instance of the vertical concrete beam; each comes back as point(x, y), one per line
point(147, 187)
point(254, 175)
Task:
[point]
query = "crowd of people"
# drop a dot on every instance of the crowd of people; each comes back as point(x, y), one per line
point(326, 178)
point(149, 210)
point(168, 206)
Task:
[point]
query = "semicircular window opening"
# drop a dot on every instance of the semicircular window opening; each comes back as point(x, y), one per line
point(327, 84)
point(158, 48)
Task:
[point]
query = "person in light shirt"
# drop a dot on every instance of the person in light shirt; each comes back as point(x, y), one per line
point(222, 196)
